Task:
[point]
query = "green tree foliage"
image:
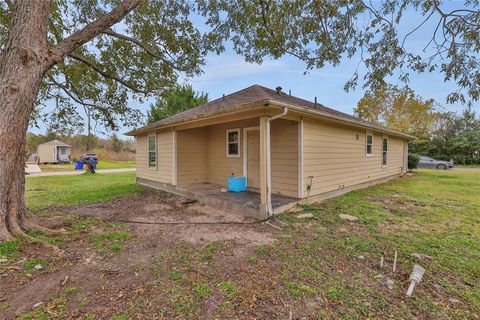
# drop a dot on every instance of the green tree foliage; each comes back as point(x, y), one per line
point(457, 137)
point(179, 99)
point(325, 32)
point(400, 109)
point(413, 160)
point(157, 42)
point(141, 57)
point(116, 143)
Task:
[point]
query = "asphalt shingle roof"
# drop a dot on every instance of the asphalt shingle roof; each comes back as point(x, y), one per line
point(252, 95)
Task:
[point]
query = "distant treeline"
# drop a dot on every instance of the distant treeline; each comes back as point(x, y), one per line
point(111, 148)
point(455, 136)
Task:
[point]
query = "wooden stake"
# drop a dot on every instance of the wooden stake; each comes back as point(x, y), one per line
point(395, 262)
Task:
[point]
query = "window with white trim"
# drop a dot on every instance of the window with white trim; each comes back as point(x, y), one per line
point(384, 151)
point(152, 152)
point(233, 143)
point(369, 144)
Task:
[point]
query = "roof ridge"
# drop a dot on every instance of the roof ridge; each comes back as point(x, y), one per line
point(308, 101)
point(230, 94)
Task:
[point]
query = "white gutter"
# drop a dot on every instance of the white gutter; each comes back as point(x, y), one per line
point(269, 171)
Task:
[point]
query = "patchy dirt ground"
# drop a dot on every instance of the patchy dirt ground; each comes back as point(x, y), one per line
point(157, 224)
point(153, 219)
point(146, 256)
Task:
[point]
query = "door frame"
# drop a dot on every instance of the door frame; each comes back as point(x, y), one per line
point(245, 150)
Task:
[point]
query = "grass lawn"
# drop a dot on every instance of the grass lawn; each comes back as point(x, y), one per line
point(317, 268)
point(467, 166)
point(42, 192)
point(101, 165)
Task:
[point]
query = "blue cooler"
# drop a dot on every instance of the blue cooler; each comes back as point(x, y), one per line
point(237, 184)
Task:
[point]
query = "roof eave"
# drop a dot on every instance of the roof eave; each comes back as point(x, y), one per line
point(203, 116)
point(340, 119)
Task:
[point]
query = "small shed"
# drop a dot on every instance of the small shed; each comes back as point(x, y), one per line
point(54, 151)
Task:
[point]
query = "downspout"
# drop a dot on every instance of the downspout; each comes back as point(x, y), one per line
point(269, 171)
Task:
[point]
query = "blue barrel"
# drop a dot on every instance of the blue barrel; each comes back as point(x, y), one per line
point(79, 165)
point(237, 184)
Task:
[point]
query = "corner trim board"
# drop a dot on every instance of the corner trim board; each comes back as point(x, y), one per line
point(174, 171)
point(300, 159)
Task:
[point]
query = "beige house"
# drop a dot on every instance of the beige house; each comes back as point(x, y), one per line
point(54, 151)
point(287, 148)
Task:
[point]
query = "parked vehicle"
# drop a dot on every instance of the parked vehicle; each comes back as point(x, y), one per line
point(430, 163)
point(89, 157)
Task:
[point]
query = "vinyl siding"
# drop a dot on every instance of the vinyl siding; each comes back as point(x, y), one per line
point(192, 155)
point(335, 159)
point(164, 171)
point(220, 167)
point(201, 155)
point(284, 154)
point(284, 157)
point(45, 153)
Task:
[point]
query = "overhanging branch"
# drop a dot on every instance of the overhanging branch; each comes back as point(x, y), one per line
point(95, 28)
point(106, 74)
point(75, 97)
point(145, 47)
point(68, 93)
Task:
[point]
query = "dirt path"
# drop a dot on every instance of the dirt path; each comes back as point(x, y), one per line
point(71, 173)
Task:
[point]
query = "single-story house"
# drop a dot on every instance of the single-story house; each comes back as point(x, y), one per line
point(54, 151)
point(286, 147)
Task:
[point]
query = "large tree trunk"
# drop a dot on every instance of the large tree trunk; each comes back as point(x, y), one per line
point(23, 62)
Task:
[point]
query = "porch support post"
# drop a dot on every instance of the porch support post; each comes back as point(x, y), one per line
point(263, 167)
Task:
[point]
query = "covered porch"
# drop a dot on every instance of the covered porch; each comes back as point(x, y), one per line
point(264, 150)
point(246, 203)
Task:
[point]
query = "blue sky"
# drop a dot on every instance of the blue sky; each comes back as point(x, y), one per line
point(228, 72)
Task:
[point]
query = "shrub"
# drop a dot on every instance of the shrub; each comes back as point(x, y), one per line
point(413, 160)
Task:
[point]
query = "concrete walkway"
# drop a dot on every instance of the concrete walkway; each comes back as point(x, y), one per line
point(71, 173)
point(32, 168)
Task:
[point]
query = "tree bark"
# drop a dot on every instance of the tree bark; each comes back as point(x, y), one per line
point(22, 66)
point(24, 60)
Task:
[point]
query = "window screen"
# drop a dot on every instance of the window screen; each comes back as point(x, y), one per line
point(152, 152)
point(384, 151)
point(369, 144)
point(233, 143)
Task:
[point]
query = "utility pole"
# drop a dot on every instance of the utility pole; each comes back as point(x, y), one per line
point(89, 129)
